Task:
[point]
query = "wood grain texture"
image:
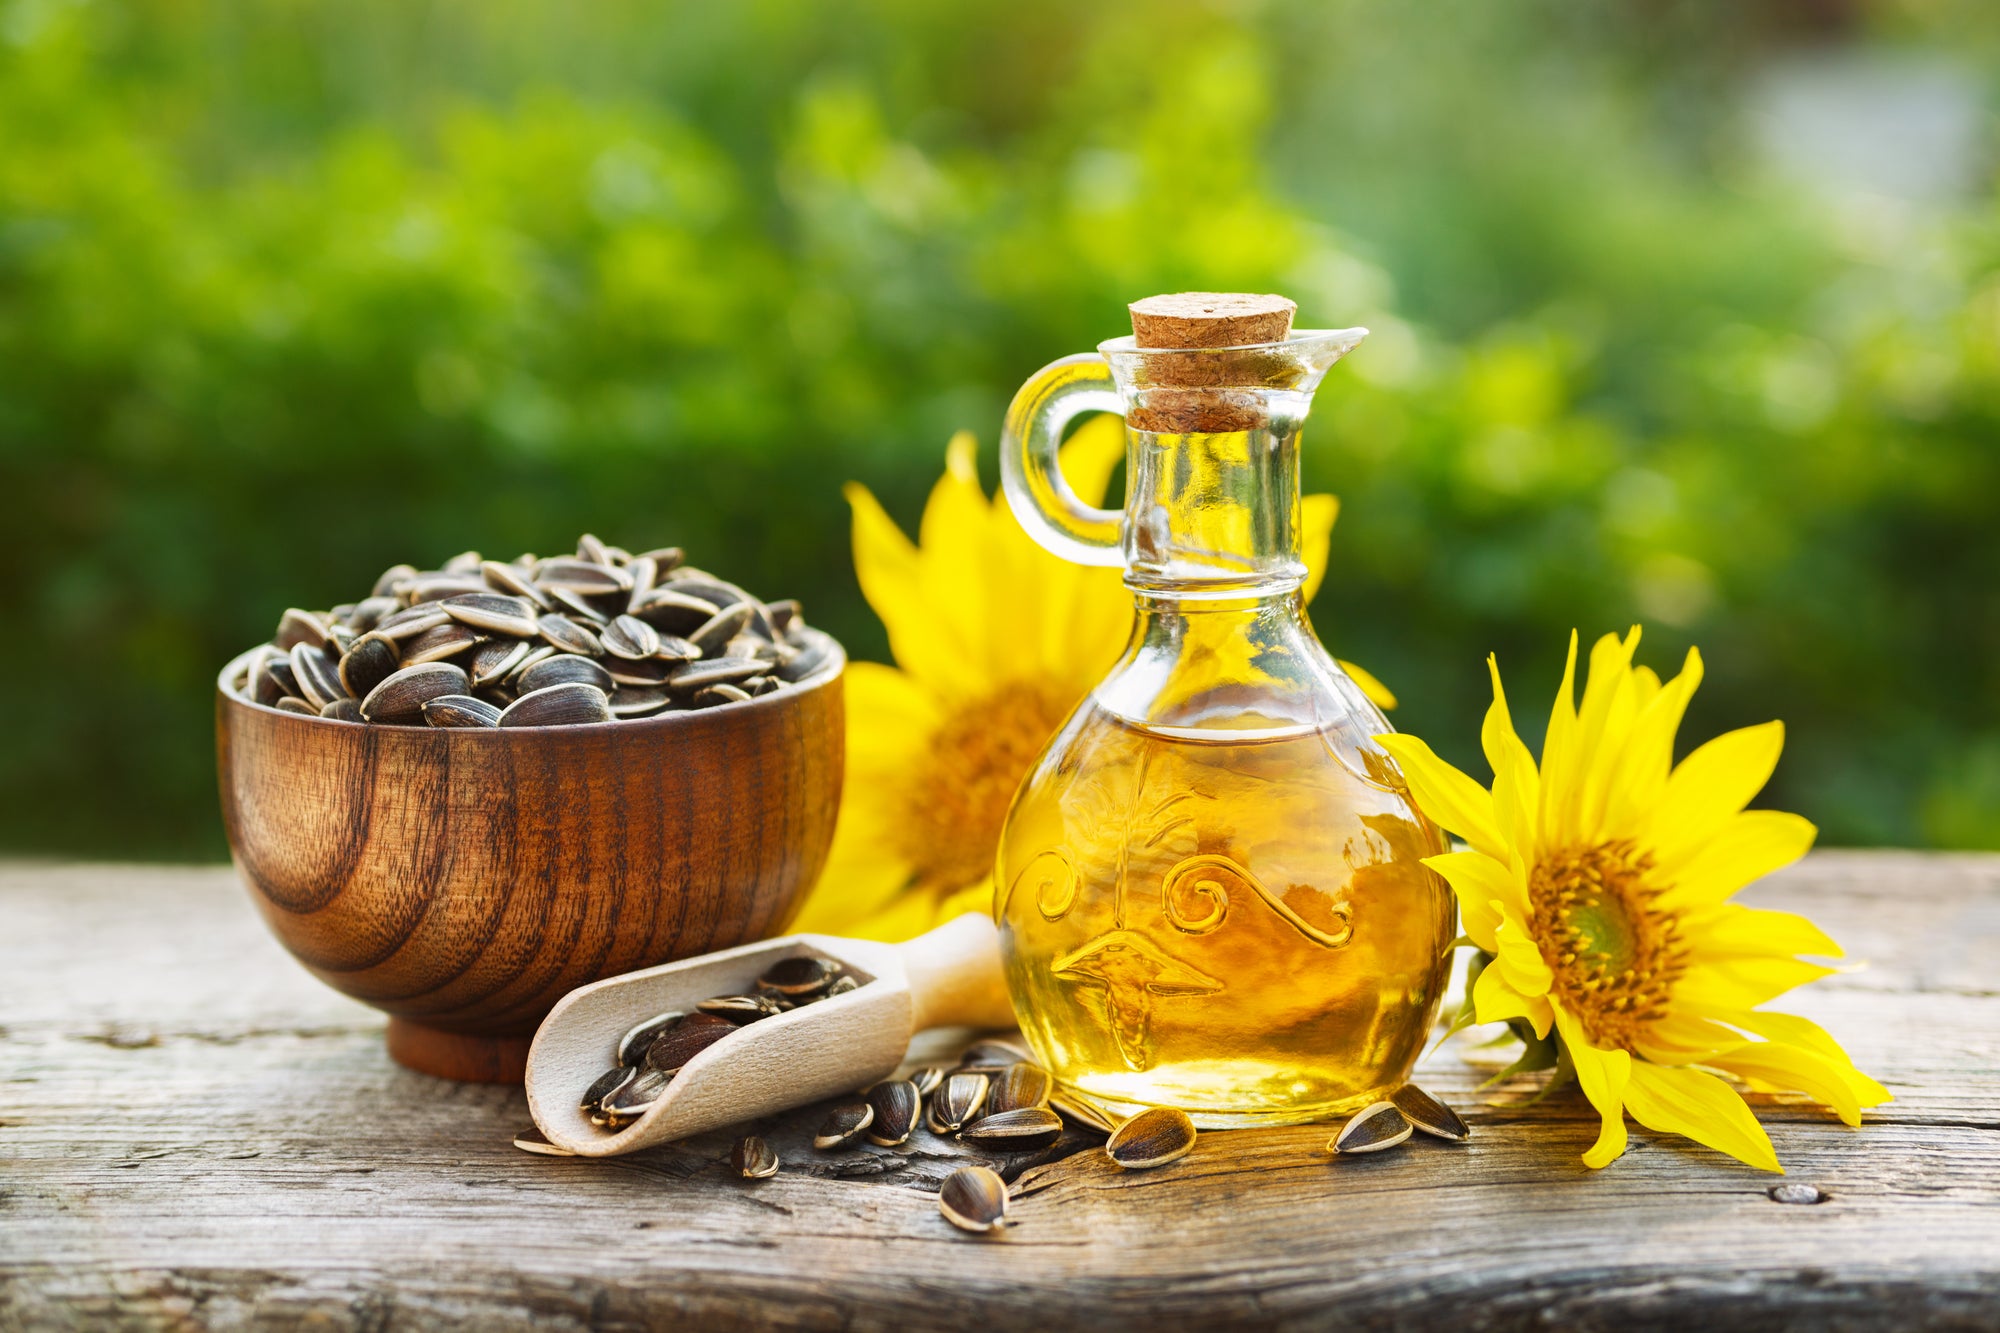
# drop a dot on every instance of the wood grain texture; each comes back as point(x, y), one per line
point(193, 1134)
point(464, 880)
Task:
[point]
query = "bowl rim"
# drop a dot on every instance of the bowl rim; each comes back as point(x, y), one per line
point(833, 669)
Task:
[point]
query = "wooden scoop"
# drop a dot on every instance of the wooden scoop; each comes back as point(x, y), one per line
point(950, 977)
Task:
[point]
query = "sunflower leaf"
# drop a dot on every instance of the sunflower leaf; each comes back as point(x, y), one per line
point(1537, 1053)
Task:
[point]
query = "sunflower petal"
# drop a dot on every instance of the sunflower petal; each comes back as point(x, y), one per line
point(1495, 1001)
point(1480, 881)
point(1700, 1107)
point(1733, 931)
point(1604, 1077)
point(1684, 1039)
point(1717, 986)
point(1748, 847)
point(1316, 516)
point(1090, 455)
point(1518, 956)
point(1603, 726)
point(1649, 753)
point(1378, 693)
point(1791, 1069)
point(1517, 787)
point(890, 572)
point(1712, 784)
point(1449, 797)
point(1558, 746)
point(1810, 1036)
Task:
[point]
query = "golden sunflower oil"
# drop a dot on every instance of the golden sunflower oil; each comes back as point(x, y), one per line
point(1239, 927)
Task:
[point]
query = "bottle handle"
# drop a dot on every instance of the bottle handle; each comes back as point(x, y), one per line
point(1030, 442)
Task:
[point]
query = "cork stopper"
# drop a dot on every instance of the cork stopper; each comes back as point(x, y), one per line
point(1211, 319)
point(1184, 395)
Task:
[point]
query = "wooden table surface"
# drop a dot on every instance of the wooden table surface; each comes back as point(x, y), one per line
point(193, 1133)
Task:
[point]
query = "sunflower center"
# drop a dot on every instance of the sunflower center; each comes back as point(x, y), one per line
point(958, 799)
point(1614, 952)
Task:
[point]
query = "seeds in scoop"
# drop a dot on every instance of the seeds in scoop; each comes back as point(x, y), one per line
point(630, 637)
point(896, 1105)
point(372, 659)
point(492, 660)
point(514, 582)
point(635, 1098)
point(1028, 1129)
point(955, 1104)
point(440, 643)
point(1371, 1129)
point(317, 676)
point(296, 627)
point(609, 1082)
point(343, 709)
point(844, 1124)
point(686, 1039)
point(293, 704)
point(401, 696)
point(460, 710)
point(1152, 1138)
point(1019, 1085)
point(565, 635)
point(973, 1198)
point(568, 705)
point(723, 626)
point(566, 669)
point(494, 612)
point(740, 1009)
point(534, 1141)
point(632, 1047)
point(1430, 1115)
point(802, 975)
point(841, 986)
point(753, 1159)
point(929, 1078)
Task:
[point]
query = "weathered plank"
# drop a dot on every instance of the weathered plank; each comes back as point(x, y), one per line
point(194, 1133)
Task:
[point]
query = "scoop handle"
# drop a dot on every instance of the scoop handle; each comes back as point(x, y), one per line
point(955, 976)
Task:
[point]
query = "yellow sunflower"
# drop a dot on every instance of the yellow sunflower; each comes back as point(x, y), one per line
point(1599, 884)
point(995, 641)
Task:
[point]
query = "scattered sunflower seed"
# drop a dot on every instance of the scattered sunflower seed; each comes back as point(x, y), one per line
point(1017, 1086)
point(973, 1198)
point(896, 1106)
point(1027, 1129)
point(1429, 1115)
point(957, 1103)
point(929, 1078)
point(1081, 1112)
point(992, 1056)
point(1152, 1138)
point(1371, 1129)
point(753, 1159)
point(843, 1124)
point(534, 1141)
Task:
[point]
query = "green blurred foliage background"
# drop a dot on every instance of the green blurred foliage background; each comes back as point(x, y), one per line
point(295, 289)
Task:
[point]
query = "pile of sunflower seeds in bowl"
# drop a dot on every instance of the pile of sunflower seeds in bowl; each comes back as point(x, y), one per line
point(600, 636)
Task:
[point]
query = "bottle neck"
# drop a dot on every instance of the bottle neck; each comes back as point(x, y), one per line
point(1211, 515)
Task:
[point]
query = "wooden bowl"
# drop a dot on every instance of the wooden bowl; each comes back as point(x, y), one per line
point(464, 880)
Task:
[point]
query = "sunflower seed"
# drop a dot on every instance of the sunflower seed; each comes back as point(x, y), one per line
point(955, 1104)
point(425, 588)
point(494, 612)
point(1151, 1138)
point(564, 602)
point(460, 710)
point(369, 611)
point(565, 669)
point(402, 694)
point(808, 662)
point(844, 1124)
point(393, 576)
point(1797, 1191)
point(630, 637)
point(896, 1105)
point(715, 671)
point(441, 643)
point(636, 1097)
point(412, 621)
point(372, 659)
point(684, 1040)
point(740, 1009)
point(718, 694)
point(1371, 1129)
point(1430, 1115)
point(646, 675)
point(782, 615)
point(1028, 1129)
point(1020, 1085)
point(293, 704)
point(802, 975)
point(465, 562)
point(317, 676)
point(753, 1159)
point(283, 683)
point(665, 558)
point(841, 986)
point(608, 1083)
point(296, 627)
point(574, 704)
point(675, 649)
point(343, 709)
point(588, 547)
point(534, 1141)
point(565, 635)
point(671, 611)
point(639, 1039)
point(514, 582)
point(700, 583)
point(638, 701)
point(1081, 1112)
point(493, 660)
point(992, 1056)
point(721, 627)
point(537, 652)
point(929, 1078)
point(582, 577)
point(973, 1198)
